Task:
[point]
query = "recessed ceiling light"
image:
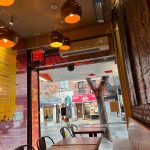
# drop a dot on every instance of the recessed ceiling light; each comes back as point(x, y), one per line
point(11, 21)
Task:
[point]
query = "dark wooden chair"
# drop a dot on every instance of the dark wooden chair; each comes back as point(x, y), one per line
point(41, 142)
point(65, 132)
point(72, 126)
point(24, 147)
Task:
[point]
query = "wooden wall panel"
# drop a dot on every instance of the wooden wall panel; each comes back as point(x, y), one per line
point(136, 22)
point(139, 135)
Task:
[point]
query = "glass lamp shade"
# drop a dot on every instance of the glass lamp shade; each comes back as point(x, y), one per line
point(8, 38)
point(71, 11)
point(6, 2)
point(66, 44)
point(56, 39)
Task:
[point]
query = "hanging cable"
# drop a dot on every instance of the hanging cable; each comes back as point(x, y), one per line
point(37, 40)
point(56, 37)
point(54, 7)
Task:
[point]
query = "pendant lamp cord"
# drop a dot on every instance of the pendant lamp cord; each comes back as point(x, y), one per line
point(54, 7)
point(54, 20)
point(37, 39)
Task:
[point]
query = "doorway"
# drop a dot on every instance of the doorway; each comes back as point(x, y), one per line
point(79, 108)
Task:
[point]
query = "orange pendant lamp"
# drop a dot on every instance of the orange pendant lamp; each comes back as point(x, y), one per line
point(8, 38)
point(6, 2)
point(66, 44)
point(56, 39)
point(71, 11)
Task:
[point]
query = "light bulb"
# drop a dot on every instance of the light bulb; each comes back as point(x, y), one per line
point(5, 40)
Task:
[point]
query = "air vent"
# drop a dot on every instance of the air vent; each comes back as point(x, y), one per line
point(86, 51)
point(87, 47)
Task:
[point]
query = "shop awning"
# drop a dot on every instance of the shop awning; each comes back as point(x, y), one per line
point(83, 98)
point(46, 76)
point(44, 102)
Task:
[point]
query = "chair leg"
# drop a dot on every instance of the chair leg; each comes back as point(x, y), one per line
point(90, 135)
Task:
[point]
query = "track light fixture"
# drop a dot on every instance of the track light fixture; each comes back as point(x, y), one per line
point(11, 21)
point(71, 11)
point(66, 44)
point(8, 38)
point(6, 2)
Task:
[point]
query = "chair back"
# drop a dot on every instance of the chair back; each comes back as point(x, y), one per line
point(41, 142)
point(24, 147)
point(72, 126)
point(65, 132)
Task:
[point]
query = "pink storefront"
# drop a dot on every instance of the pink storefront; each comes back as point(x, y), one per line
point(86, 105)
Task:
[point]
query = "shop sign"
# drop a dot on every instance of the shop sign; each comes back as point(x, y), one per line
point(83, 98)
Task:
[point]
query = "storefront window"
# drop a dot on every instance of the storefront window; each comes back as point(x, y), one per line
point(81, 87)
point(63, 84)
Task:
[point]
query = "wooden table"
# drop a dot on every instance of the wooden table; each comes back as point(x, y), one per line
point(79, 141)
point(95, 126)
point(89, 130)
point(74, 147)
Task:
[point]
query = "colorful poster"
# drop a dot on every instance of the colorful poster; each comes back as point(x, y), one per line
point(7, 83)
point(16, 128)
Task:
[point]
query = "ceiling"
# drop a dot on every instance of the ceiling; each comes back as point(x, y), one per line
point(83, 71)
point(36, 16)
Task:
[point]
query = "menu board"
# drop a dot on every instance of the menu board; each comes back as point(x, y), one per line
point(7, 83)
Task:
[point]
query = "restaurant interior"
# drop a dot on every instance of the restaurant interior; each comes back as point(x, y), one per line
point(74, 74)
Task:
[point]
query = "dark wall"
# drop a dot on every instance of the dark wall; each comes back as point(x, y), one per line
point(134, 22)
